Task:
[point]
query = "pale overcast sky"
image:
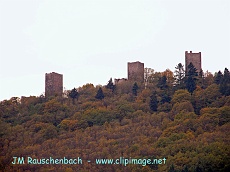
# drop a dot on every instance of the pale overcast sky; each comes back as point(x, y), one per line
point(89, 41)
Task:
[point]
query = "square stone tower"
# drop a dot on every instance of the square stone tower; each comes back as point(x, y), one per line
point(194, 58)
point(53, 84)
point(136, 71)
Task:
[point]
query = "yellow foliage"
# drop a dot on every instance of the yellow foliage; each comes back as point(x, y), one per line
point(209, 110)
point(184, 107)
point(181, 96)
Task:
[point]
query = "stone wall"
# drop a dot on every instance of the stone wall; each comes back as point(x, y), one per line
point(136, 71)
point(194, 58)
point(53, 84)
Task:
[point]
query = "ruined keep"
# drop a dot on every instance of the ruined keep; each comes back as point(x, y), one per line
point(136, 71)
point(194, 58)
point(53, 84)
point(120, 81)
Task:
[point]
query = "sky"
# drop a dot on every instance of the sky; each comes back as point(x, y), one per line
point(90, 41)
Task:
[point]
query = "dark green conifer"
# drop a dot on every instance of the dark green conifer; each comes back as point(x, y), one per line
point(153, 102)
point(191, 78)
point(134, 89)
point(218, 77)
point(179, 75)
point(100, 94)
point(225, 83)
point(171, 168)
point(73, 94)
point(162, 82)
point(110, 85)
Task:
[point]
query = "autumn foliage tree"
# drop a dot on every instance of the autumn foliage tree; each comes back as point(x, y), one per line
point(190, 130)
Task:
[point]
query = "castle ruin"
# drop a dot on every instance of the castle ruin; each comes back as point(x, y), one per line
point(120, 81)
point(194, 58)
point(136, 71)
point(53, 84)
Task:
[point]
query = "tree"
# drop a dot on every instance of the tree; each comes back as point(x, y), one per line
point(52, 106)
point(147, 75)
point(162, 84)
point(49, 132)
point(208, 79)
point(218, 77)
point(73, 94)
point(185, 169)
point(123, 110)
point(198, 169)
point(182, 107)
point(153, 102)
point(165, 98)
point(179, 74)
point(191, 78)
point(181, 96)
point(225, 83)
point(169, 77)
point(110, 85)
point(190, 84)
point(211, 93)
point(171, 169)
point(201, 79)
point(192, 71)
point(134, 89)
point(100, 94)
point(154, 78)
point(68, 125)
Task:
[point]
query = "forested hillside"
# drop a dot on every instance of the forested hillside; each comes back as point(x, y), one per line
point(183, 118)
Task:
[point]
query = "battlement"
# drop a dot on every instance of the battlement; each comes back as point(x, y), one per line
point(53, 84)
point(190, 52)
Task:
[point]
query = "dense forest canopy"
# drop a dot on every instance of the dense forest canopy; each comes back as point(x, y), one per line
point(183, 117)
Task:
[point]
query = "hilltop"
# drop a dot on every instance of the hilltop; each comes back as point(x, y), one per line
point(183, 118)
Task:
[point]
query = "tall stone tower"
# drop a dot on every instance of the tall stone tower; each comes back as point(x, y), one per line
point(53, 84)
point(136, 71)
point(194, 58)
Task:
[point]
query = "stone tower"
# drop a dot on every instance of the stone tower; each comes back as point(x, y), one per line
point(53, 84)
point(136, 71)
point(194, 58)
